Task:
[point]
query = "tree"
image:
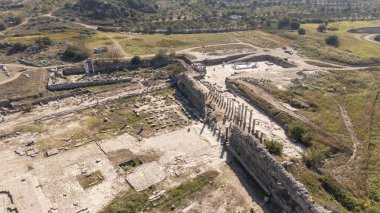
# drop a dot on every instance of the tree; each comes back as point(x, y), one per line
point(268, 23)
point(43, 42)
point(284, 22)
point(169, 30)
point(301, 31)
point(321, 28)
point(332, 40)
point(13, 20)
point(76, 53)
point(294, 25)
point(3, 26)
point(377, 38)
point(17, 47)
point(252, 24)
point(136, 60)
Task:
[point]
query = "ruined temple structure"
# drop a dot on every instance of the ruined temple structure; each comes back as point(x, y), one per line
point(280, 185)
point(245, 143)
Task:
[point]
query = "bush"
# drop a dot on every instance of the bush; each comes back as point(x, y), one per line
point(294, 26)
point(284, 22)
point(17, 47)
point(299, 134)
point(274, 147)
point(332, 40)
point(321, 28)
point(301, 31)
point(313, 158)
point(44, 42)
point(3, 26)
point(332, 29)
point(161, 59)
point(377, 38)
point(76, 53)
point(136, 60)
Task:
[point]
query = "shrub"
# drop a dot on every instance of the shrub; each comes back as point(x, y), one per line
point(136, 60)
point(274, 147)
point(294, 25)
point(332, 29)
point(17, 47)
point(332, 40)
point(76, 53)
point(313, 158)
point(44, 42)
point(299, 134)
point(301, 31)
point(377, 38)
point(321, 28)
point(3, 26)
point(284, 22)
point(160, 59)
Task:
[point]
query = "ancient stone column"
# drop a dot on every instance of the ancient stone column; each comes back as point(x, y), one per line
point(226, 136)
point(250, 121)
point(235, 117)
point(261, 137)
point(253, 126)
point(232, 109)
point(245, 117)
point(241, 115)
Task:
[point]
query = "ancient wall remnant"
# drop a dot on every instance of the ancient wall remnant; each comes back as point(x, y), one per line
point(275, 60)
point(283, 187)
point(211, 62)
point(194, 92)
point(75, 85)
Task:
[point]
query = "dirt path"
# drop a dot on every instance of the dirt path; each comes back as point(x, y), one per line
point(11, 28)
point(351, 132)
point(11, 79)
point(369, 38)
point(118, 46)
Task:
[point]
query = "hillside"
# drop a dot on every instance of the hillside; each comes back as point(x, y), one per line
point(216, 14)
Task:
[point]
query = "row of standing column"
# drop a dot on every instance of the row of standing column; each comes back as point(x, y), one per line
point(238, 114)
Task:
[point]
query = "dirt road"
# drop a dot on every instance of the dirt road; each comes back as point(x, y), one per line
point(369, 38)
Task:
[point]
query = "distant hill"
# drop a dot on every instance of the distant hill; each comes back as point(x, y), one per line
point(198, 14)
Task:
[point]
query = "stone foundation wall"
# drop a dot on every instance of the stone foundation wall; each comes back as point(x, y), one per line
point(61, 96)
point(274, 60)
point(84, 84)
point(212, 62)
point(194, 92)
point(284, 189)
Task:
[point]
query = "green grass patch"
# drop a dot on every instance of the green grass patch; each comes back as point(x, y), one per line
point(91, 180)
point(131, 164)
point(164, 92)
point(177, 194)
point(171, 43)
point(33, 127)
point(127, 202)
